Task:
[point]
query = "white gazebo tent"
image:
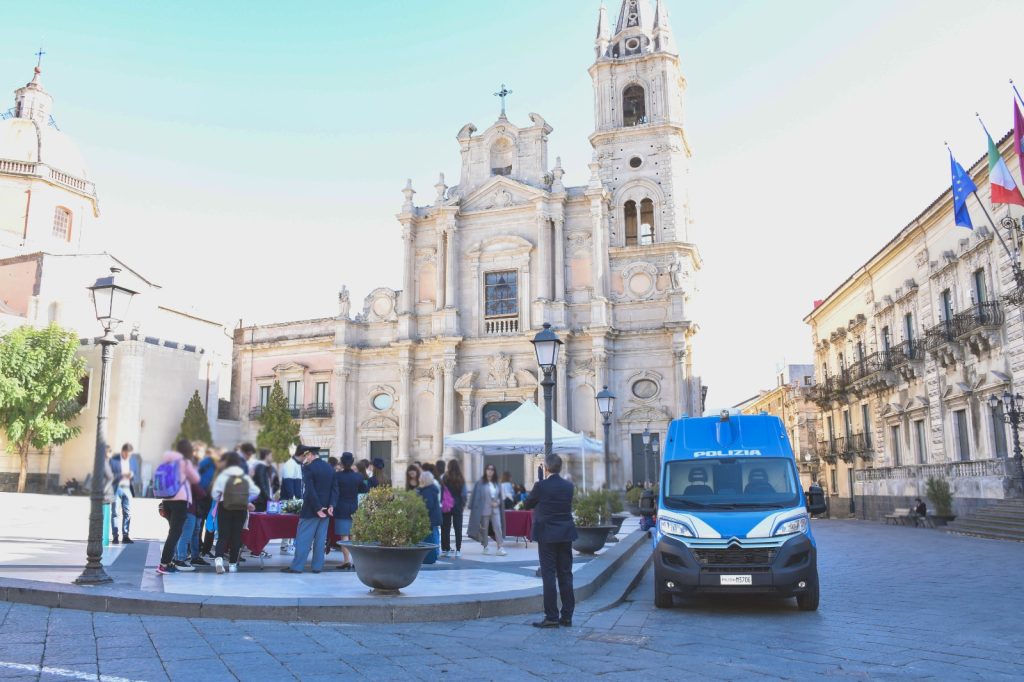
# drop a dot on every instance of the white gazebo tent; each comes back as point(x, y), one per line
point(522, 432)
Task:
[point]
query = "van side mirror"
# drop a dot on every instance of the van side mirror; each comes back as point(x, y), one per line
point(648, 503)
point(816, 500)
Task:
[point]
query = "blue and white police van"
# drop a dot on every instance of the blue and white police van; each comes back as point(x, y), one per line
point(731, 515)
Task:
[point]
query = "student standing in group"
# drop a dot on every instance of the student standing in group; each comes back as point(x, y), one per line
point(248, 452)
point(412, 477)
point(172, 480)
point(265, 477)
point(317, 489)
point(428, 491)
point(454, 484)
point(486, 510)
point(554, 530)
point(124, 491)
point(377, 474)
point(291, 489)
point(233, 492)
point(348, 484)
point(508, 492)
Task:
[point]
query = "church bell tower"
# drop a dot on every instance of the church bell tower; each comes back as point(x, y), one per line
point(639, 140)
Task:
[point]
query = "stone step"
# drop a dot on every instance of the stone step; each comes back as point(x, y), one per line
point(992, 535)
point(973, 527)
point(995, 524)
point(998, 515)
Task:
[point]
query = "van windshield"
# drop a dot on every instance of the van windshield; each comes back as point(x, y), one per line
point(731, 483)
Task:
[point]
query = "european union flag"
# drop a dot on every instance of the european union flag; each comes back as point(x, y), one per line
point(962, 186)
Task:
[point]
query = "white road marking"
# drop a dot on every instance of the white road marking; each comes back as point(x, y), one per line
point(63, 672)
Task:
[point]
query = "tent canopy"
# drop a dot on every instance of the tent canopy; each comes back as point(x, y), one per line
point(521, 432)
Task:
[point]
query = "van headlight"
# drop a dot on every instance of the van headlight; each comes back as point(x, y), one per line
point(669, 527)
point(793, 526)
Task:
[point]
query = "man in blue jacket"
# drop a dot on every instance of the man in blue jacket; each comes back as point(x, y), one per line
point(317, 494)
point(554, 531)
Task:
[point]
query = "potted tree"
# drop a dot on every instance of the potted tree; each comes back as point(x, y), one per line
point(387, 533)
point(938, 491)
point(633, 499)
point(592, 521)
point(612, 504)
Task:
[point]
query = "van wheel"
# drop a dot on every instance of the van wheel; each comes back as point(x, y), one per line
point(808, 600)
point(662, 597)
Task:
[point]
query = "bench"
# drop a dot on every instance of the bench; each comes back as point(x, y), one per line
point(902, 516)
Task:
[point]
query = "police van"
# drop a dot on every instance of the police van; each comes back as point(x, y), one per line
point(731, 515)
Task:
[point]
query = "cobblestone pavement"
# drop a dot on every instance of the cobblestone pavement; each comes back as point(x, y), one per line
point(897, 603)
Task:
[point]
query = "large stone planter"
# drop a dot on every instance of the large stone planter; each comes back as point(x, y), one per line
point(388, 569)
point(591, 538)
point(617, 520)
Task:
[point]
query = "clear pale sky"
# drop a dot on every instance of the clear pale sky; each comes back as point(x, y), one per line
point(249, 156)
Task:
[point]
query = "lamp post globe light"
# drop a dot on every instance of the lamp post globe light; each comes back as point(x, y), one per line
point(605, 405)
point(546, 345)
point(1013, 410)
point(111, 299)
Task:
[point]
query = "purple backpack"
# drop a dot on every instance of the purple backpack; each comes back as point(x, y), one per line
point(447, 501)
point(167, 479)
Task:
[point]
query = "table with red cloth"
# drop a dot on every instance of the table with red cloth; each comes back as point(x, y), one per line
point(266, 527)
point(520, 525)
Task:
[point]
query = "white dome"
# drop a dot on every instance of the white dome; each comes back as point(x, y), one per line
point(22, 140)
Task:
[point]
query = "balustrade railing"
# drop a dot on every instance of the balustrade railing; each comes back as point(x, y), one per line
point(1000, 467)
point(501, 325)
point(318, 411)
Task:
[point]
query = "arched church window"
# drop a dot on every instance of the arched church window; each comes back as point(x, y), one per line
point(646, 221)
point(634, 111)
point(502, 153)
point(62, 223)
point(629, 216)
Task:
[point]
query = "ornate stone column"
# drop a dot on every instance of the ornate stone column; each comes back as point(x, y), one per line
point(682, 385)
point(437, 446)
point(404, 411)
point(562, 389)
point(449, 400)
point(599, 253)
point(439, 295)
point(341, 374)
point(409, 272)
point(352, 407)
point(559, 260)
point(451, 268)
point(543, 256)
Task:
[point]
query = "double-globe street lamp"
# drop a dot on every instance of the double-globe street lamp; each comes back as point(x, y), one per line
point(111, 300)
point(1013, 410)
point(546, 344)
point(605, 405)
point(649, 450)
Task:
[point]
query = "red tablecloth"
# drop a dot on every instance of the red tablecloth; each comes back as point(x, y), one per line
point(266, 527)
point(520, 524)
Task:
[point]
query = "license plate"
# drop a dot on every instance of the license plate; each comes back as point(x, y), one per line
point(736, 580)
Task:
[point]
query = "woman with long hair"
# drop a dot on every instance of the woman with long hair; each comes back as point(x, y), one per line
point(486, 510)
point(453, 482)
point(412, 477)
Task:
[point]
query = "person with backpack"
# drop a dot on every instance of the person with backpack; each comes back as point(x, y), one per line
point(453, 501)
point(233, 492)
point(428, 491)
point(171, 483)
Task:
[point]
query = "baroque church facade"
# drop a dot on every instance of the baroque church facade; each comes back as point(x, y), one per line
point(610, 265)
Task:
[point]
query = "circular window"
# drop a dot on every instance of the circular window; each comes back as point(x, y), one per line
point(632, 44)
point(645, 389)
point(636, 162)
point(382, 401)
point(382, 306)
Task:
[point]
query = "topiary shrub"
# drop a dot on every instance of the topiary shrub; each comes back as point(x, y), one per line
point(939, 493)
point(588, 508)
point(633, 495)
point(391, 518)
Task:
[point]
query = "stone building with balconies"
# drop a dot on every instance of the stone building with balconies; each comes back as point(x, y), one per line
point(908, 351)
point(610, 265)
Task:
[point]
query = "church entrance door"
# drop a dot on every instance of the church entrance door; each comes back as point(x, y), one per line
point(514, 464)
point(382, 449)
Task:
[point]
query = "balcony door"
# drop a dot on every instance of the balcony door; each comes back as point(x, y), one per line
point(980, 288)
point(947, 305)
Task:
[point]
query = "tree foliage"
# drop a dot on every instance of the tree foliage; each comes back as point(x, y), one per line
point(278, 431)
point(194, 425)
point(40, 380)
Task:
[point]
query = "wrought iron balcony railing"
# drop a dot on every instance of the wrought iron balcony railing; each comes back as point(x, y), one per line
point(907, 351)
point(978, 316)
point(318, 411)
point(942, 333)
point(256, 412)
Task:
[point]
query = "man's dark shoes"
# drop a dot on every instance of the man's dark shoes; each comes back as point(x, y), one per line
point(565, 622)
point(128, 540)
point(289, 569)
point(200, 561)
point(115, 541)
point(546, 624)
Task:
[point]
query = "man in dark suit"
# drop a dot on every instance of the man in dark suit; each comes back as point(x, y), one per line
point(317, 492)
point(554, 531)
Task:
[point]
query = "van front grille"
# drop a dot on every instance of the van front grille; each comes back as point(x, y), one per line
point(734, 556)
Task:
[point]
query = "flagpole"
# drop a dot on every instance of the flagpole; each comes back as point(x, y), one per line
point(1016, 91)
point(1018, 276)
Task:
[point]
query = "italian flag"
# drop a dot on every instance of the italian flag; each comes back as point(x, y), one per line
point(1004, 189)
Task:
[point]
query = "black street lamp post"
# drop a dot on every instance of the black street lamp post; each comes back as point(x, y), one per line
point(605, 404)
point(1013, 410)
point(111, 299)
point(545, 345)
